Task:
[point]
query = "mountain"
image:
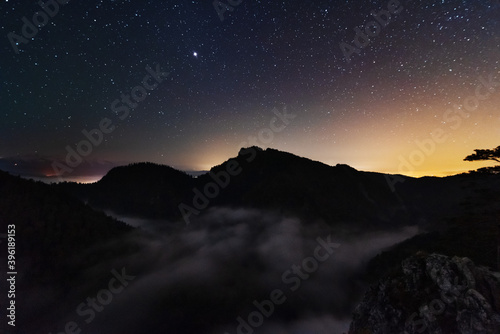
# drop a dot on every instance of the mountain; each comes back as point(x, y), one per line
point(143, 189)
point(276, 180)
point(264, 179)
point(50, 223)
point(280, 181)
point(253, 220)
point(54, 236)
point(456, 211)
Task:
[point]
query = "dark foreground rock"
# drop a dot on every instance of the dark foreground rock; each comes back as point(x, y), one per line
point(432, 294)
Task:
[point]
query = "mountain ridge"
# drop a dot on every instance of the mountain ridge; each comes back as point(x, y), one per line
point(267, 179)
point(275, 180)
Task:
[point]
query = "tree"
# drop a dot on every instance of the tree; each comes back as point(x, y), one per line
point(485, 155)
point(493, 154)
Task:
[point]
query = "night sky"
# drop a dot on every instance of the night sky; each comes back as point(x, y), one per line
point(414, 98)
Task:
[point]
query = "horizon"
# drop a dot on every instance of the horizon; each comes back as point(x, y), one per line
point(86, 176)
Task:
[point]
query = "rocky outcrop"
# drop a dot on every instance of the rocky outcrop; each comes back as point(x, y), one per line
point(432, 294)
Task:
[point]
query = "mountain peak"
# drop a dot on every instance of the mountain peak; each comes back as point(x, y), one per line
point(244, 150)
point(141, 171)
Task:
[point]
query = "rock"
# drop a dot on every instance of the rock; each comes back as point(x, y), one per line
point(432, 294)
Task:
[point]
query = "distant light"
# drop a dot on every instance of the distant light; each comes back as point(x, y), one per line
point(195, 54)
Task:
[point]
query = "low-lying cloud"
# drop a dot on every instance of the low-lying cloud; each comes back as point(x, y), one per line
point(200, 278)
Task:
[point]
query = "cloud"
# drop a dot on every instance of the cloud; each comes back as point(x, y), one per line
point(201, 277)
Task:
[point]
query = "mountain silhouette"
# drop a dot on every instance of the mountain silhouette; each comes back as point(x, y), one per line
point(250, 219)
point(51, 223)
point(55, 235)
point(266, 179)
point(280, 181)
point(141, 189)
point(449, 209)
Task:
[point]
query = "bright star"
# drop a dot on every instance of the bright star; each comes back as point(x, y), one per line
point(195, 54)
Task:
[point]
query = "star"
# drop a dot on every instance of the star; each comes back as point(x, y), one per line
point(244, 74)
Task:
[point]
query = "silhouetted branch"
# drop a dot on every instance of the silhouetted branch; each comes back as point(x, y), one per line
point(485, 155)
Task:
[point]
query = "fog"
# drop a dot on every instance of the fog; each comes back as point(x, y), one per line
point(201, 277)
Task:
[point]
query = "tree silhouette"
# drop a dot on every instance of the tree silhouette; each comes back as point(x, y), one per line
point(493, 154)
point(485, 155)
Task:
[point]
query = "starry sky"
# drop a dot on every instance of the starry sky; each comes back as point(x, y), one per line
point(415, 96)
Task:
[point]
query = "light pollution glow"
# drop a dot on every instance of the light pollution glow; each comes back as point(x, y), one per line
point(381, 143)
